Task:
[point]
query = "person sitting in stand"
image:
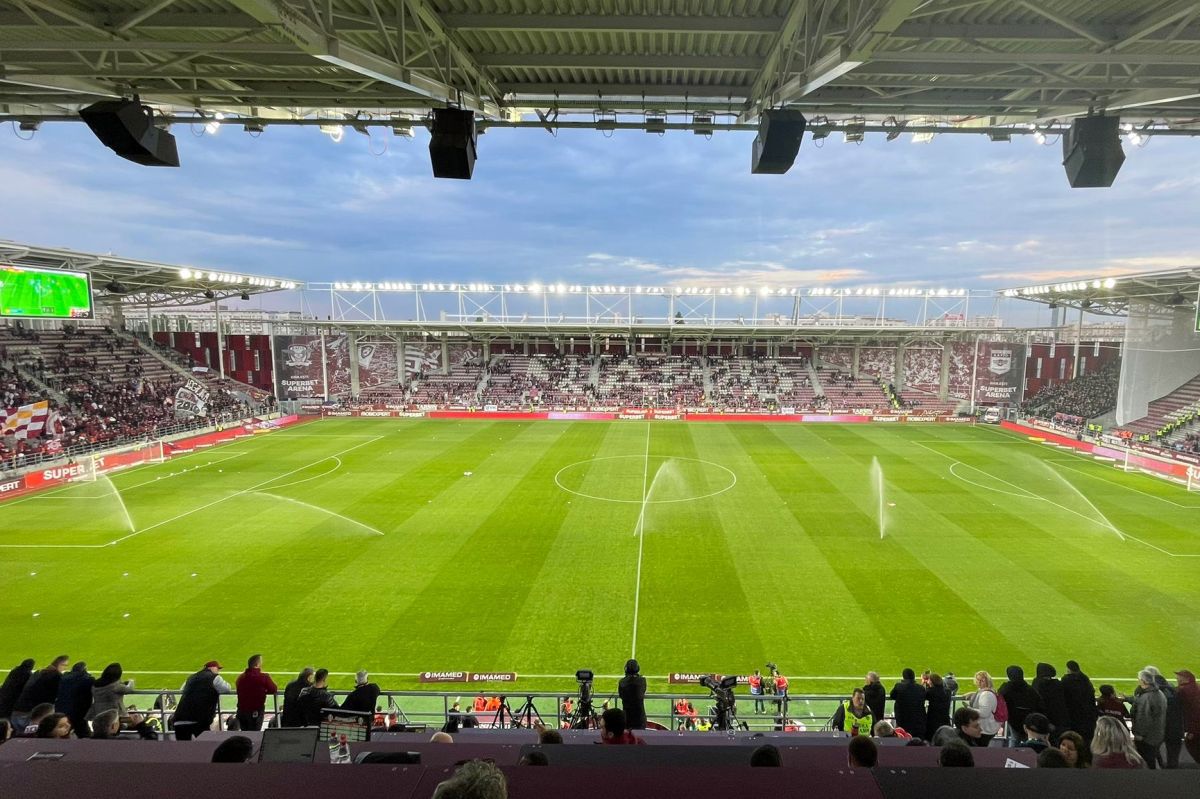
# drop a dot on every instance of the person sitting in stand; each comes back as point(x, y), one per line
point(1037, 732)
point(493, 704)
point(480, 704)
point(862, 752)
point(612, 728)
point(853, 715)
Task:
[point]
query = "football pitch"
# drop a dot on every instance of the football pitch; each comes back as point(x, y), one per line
point(543, 547)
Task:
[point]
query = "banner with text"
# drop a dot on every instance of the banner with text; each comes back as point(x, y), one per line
point(298, 367)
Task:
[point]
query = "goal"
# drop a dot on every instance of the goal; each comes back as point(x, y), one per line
point(1193, 478)
point(129, 456)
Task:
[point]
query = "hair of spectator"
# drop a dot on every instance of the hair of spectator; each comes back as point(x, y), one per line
point(234, 749)
point(863, 752)
point(964, 716)
point(956, 753)
point(45, 728)
point(766, 755)
point(475, 779)
point(321, 675)
point(550, 737)
point(884, 729)
point(60, 660)
point(908, 674)
point(254, 662)
point(534, 758)
point(1052, 758)
point(614, 721)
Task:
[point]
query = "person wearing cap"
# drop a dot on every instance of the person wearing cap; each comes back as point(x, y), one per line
point(199, 701)
point(1037, 732)
point(632, 690)
point(364, 696)
point(253, 686)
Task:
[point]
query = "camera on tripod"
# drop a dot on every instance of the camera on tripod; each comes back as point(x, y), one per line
point(725, 711)
point(584, 677)
point(584, 716)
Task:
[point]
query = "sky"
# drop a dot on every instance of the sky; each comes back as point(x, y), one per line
point(633, 208)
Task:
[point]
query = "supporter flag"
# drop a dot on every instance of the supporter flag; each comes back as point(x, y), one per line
point(27, 421)
point(191, 400)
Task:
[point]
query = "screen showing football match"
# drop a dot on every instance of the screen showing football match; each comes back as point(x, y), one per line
point(44, 293)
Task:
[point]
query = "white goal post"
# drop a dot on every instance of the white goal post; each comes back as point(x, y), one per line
point(128, 456)
point(1193, 478)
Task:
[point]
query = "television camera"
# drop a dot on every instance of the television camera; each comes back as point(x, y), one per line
point(725, 709)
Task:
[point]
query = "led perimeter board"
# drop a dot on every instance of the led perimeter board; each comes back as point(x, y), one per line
point(44, 293)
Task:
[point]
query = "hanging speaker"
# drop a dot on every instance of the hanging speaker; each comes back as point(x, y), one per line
point(127, 128)
point(452, 143)
point(777, 142)
point(1092, 154)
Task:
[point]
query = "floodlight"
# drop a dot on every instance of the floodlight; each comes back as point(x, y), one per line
point(213, 125)
point(186, 274)
point(254, 127)
point(29, 125)
point(856, 130)
point(999, 135)
point(656, 122)
point(703, 124)
point(1109, 283)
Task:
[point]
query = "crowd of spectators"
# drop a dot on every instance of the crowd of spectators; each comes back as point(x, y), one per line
point(1087, 396)
point(109, 394)
point(1066, 721)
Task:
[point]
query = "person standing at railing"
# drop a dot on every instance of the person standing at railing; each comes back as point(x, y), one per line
point(253, 686)
point(199, 701)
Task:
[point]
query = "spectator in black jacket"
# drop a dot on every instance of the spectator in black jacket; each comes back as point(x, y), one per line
point(632, 690)
point(1080, 696)
point(1021, 700)
point(908, 704)
point(291, 716)
point(75, 697)
point(938, 713)
point(13, 685)
point(1054, 701)
point(40, 689)
point(876, 695)
point(315, 698)
point(199, 701)
point(364, 696)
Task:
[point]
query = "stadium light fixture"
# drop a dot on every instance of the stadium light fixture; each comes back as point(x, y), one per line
point(1110, 283)
point(186, 274)
point(213, 125)
point(335, 132)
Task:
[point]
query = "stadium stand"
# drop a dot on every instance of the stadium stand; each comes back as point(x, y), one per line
point(1087, 396)
point(1172, 410)
point(103, 389)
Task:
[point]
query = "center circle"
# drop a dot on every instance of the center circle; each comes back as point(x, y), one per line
point(655, 480)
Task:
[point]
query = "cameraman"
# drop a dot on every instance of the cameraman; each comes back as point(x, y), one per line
point(632, 691)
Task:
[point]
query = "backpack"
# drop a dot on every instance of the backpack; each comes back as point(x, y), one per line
point(1001, 712)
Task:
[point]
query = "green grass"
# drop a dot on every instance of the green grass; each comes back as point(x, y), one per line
point(505, 569)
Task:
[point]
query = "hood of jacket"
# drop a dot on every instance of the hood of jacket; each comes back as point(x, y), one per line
point(1046, 671)
point(1186, 677)
point(1016, 674)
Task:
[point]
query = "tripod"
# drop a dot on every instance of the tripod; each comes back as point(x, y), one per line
point(526, 714)
point(584, 717)
point(504, 716)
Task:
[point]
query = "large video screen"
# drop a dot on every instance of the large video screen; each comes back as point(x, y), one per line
point(44, 293)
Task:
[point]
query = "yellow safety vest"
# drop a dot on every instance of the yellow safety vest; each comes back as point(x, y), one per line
point(853, 724)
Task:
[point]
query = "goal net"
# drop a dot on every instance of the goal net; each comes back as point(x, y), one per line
point(128, 457)
point(1193, 478)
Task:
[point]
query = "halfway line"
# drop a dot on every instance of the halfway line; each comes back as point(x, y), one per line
point(641, 534)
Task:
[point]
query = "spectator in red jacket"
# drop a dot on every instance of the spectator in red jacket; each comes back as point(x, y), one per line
point(1189, 701)
point(253, 685)
point(612, 728)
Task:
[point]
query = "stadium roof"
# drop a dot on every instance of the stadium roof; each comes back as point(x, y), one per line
point(967, 64)
point(123, 281)
point(1114, 295)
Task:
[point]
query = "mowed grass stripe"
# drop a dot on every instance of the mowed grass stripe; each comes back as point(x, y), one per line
point(465, 611)
point(798, 592)
point(582, 609)
point(687, 547)
point(887, 577)
point(1086, 578)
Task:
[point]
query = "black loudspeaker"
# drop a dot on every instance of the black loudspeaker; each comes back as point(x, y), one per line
point(127, 128)
point(1092, 153)
point(452, 143)
point(777, 142)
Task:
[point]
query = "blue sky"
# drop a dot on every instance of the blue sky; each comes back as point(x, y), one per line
point(633, 208)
